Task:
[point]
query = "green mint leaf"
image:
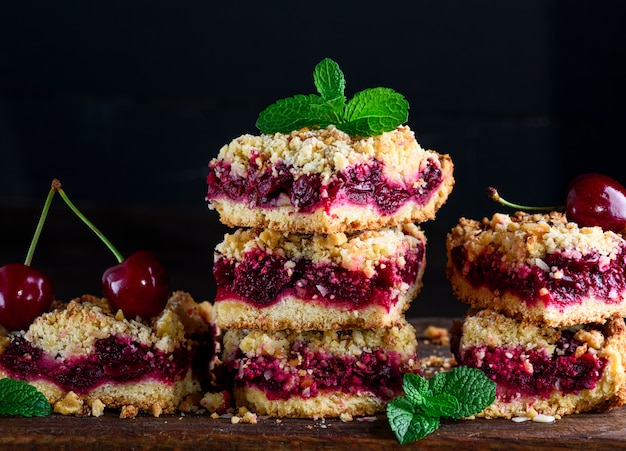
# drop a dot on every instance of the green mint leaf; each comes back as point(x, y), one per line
point(374, 111)
point(470, 386)
point(329, 80)
point(415, 388)
point(456, 394)
point(407, 424)
point(440, 405)
point(21, 398)
point(400, 413)
point(294, 113)
point(370, 112)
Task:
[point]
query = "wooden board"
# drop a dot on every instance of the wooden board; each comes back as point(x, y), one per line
point(182, 432)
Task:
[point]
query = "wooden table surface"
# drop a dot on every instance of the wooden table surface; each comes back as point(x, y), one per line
point(592, 431)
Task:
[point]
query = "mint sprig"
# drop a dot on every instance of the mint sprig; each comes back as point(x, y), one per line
point(20, 398)
point(370, 112)
point(456, 394)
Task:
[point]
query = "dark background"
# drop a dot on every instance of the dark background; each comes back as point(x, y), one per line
point(126, 102)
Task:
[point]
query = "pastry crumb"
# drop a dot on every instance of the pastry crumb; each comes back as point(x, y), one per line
point(128, 412)
point(437, 335)
point(345, 417)
point(97, 408)
point(71, 404)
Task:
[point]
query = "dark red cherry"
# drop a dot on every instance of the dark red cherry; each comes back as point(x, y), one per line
point(139, 285)
point(596, 200)
point(25, 293)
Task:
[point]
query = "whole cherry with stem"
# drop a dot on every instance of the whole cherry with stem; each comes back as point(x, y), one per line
point(26, 293)
point(591, 200)
point(137, 285)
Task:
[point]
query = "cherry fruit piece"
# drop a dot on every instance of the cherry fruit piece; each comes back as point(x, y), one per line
point(25, 293)
point(593, 200)
point(596, 200)
point(139, 285)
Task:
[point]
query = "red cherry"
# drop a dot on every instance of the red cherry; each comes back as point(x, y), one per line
point(596, 200)
point(25, 293)
point(139, 285)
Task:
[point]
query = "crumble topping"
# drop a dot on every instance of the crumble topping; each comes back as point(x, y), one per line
point(326, 151)
point(360, 251)
point(339, 343)
point(73, 329)
point(488, 328)
point(525, 238)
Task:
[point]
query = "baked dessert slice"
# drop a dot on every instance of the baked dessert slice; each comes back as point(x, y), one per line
point(324, 181)
point(544, 370)
point(319, 374)
point(271, 280)
point(538, 267)
point(84, 358)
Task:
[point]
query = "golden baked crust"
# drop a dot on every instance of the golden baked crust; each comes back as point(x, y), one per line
point(608, 341)
point(364, 252)
point(522, 242)
point(329, 405)
point(71, 331)
point(241, 345)
point(326, 152)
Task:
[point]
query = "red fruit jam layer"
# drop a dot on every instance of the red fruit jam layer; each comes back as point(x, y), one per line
point(373, 372)
point(116, 360)
point(581, 277)
point(263, 279)
point(511, 369)
point(360, 185)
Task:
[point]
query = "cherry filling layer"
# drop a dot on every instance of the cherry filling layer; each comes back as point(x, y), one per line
point(262, 279)
point(115, 359)
point(572, 280)
point(535, 373)
point(374, 372)
point(360, 185)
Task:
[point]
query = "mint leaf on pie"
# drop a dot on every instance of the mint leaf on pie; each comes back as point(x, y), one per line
point(329, 80)
point(374, 111)
point(20, 398)
point(294, 113)
point(456, 394)
point(370, 112)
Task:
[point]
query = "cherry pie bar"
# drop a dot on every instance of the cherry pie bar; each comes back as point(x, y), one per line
point(538, 267)
point(319, 374)
point(271, 280)
point(84, 358)
point(544, 370)
point(324, 181)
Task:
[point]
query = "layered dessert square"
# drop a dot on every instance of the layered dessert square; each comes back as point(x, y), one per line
point(544, 370)
point(538, 267)
point(272, 280)
point(324, 181)
point(319, 374)
point(84, 358)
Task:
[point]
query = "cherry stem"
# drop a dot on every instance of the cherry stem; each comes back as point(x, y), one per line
point(494, 195)
point(56, 184)
point(42, 219)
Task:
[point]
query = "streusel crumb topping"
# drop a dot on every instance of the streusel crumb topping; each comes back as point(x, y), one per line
point(326, 151)
point(74, 329)
point(496, 330)
point(278, 344)
point(526, 238)
point(360, 251)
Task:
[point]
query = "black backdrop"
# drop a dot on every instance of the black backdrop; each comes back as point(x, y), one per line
point(127, 101)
